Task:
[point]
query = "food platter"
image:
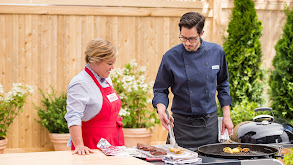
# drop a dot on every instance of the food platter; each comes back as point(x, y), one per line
point(186, 153)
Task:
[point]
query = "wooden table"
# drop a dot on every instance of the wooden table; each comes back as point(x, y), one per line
point(66, 158)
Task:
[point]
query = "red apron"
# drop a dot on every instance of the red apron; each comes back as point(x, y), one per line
point(106, 124)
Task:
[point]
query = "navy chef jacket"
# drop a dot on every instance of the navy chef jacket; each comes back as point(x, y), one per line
point(194, 78)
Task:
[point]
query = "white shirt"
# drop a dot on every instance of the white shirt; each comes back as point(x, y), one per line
point(84, 98)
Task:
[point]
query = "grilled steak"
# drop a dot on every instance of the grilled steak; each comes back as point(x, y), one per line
point(158, 151)
point(153, 150)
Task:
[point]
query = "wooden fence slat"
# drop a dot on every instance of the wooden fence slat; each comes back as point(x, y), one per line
point(261, 5)
point(60, 55)
point(124, 3)
point(126, 38)
point(11, 75)
point(29, 136)
point(21, 75)
point(34, 81)
point(106, 11)
point(2, 49)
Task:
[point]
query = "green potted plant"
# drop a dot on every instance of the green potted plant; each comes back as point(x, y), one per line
point(136, 111)
point(51, 115)
point(10, 106)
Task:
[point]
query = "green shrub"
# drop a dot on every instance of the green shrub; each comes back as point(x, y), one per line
point(243, 50)
point(288, 158)
point(52, 112)
point(281, 79)
point(243, 111)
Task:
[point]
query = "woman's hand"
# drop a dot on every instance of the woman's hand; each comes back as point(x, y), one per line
point(76, 137)
point(82, 150)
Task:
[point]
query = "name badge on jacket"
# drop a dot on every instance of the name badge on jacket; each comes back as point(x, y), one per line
point(215, 67)
point(112, 97)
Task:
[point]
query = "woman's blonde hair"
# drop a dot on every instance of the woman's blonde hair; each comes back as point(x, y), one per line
point(98, 50)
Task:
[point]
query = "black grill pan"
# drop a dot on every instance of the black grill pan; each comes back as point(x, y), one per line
point(256, 151)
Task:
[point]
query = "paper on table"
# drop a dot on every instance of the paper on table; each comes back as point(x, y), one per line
point(178, 160)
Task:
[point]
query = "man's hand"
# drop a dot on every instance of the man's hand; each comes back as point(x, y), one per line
point(227, 122)
point(163, 116)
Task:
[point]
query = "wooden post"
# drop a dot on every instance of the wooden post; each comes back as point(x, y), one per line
point(217, 30)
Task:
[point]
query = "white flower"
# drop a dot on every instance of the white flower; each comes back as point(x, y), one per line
point(142, 69)
point(123, 112)
point(9, 96)
point(144, 87)
point(119, 72)
point(115, 73)
point(18, 91)
point(141, 79)
point(151, 83)
point(30, 88)
point(133, 63)
point(122, 95)
point(128, 79)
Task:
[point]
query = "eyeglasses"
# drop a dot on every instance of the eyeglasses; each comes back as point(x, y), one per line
point(191, 39)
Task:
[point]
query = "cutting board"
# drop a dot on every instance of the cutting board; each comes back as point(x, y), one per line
point(66, 158)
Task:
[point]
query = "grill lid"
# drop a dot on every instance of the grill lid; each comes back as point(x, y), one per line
point(263, 130)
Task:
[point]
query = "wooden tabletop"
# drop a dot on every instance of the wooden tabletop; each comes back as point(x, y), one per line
point(66, 158)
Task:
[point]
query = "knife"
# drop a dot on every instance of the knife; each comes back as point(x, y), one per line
point(142, 156)
point(150, 159)
point(171, 133)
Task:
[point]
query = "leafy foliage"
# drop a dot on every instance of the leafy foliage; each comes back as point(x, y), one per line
point(52, 112)
point(130, 84)
point(11, 105)
point(243, 111)
point(243, 51)
point(288, 158)
point(281, 79)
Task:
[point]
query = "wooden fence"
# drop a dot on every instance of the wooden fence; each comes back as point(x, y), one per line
point(43, 42)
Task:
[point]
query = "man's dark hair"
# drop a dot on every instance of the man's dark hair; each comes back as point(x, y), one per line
point(192, 19)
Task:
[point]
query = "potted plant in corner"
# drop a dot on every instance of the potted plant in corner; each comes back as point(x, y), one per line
point(52, 117)
point(10, 106)
point(138, 114)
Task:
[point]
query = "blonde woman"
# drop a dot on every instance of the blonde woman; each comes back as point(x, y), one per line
point(92, 103)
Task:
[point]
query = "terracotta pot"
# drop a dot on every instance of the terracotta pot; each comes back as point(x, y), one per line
point(133, 136)
point(3, 144)
point(60, 141)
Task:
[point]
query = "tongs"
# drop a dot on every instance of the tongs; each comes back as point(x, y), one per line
point(171, 133)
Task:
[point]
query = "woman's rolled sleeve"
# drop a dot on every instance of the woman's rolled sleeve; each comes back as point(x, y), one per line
point(77, 99)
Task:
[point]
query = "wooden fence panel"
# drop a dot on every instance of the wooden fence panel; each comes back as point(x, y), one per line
point(48, 50)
